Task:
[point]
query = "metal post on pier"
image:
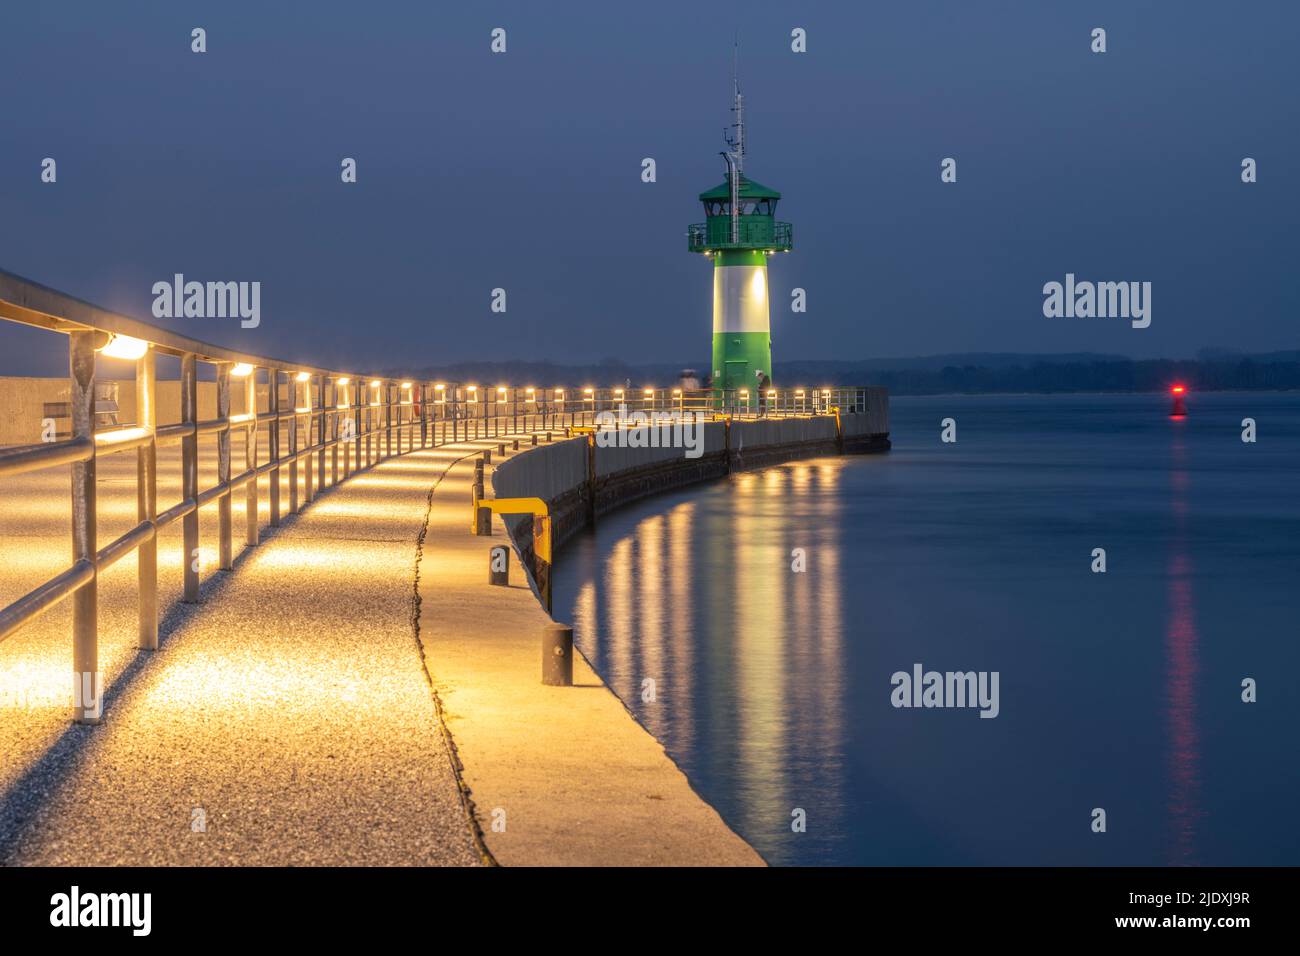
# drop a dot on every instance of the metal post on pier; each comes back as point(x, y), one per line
point(190, 475)
point(557, 655)
point(357, 392)
point(146, 496)
point(333, 429)
point(499, 565)
point(321, 432)
point(418, 396)
point(87, 687)
point(308, 466)
point(225, 550)
point(250, 459)
point(291, 388)
point(388, 419)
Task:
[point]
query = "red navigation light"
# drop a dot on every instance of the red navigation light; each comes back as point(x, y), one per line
point(1178, 389)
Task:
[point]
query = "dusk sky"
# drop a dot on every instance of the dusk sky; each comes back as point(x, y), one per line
point(522, 170)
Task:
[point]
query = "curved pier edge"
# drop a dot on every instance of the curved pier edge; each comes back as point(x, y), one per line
point(568, 775)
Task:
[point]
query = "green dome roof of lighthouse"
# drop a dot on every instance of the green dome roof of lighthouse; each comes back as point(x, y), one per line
point(748, 190)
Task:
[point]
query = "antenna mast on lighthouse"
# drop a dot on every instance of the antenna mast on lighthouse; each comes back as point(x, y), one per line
point(736, 154)
point(737, 143)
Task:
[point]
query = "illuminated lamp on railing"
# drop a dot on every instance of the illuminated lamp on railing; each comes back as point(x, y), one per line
point(501, 394)
point(304, 376)
point(771, 393)
point(618, 393)
point(375, 383)
point(677, 393)
point(344, 380)
point(473, 393)
point(559, 394)
point(124, 347)
point(441, 389)
point(241, 370)
point(744, 393)
point(530, 395)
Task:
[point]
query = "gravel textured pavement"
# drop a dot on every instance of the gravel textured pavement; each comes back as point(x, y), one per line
point(287, 719)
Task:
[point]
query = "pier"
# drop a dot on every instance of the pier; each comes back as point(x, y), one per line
point(247, 616)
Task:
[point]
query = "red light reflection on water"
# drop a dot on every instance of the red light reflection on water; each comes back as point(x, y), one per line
point(1182, 663)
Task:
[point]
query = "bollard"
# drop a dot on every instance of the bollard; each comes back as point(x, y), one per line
point(478, 473)
point(501, 449)
point(516, 445)
point(483, 522)
point(548, 438)
point(534, 441)
point(487, 457)
point(557, 655)
point(499, 566)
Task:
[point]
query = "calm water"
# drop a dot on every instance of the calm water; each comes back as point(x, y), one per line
point(1119, 690)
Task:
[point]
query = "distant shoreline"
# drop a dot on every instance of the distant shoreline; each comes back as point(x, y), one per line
point(1134, 391)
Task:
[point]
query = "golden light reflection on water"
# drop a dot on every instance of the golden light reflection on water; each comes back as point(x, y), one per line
point(680, 583)
point(651, 598)
point(703, 599)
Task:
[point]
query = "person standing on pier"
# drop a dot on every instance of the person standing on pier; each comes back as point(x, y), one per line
point(764, 383)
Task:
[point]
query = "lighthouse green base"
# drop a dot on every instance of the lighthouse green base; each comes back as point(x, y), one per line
point(742, 336)
point(737, 355)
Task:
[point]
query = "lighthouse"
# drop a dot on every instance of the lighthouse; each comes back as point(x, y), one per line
point(739, 233)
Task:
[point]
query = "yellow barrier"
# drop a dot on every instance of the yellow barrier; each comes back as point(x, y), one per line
point(524, 506)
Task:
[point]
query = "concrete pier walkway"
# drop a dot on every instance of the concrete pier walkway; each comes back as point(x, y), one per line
point(557, 775)
point(288, 719)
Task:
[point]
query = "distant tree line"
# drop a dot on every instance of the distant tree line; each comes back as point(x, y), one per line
point(1118, 376)
point(932, 375)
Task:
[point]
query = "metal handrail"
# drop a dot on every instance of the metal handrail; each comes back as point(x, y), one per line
point(752, 232)
point(359, 420)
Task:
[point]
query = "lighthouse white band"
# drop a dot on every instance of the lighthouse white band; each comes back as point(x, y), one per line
point(740, 299)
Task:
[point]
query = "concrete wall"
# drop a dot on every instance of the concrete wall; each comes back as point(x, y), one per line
point(578, 492)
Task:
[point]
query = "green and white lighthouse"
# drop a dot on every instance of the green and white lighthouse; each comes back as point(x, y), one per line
point(739, 232)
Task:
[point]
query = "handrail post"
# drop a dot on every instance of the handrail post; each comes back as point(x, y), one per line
point(146, 495)
point(273, 440)
point(250, 459)
point(87, 699)
point(320, 434)
point(370, 421)
point(190, 475)
point(308, 466)
point(225, 551)
point(291, 388)
point(334, 429)
point(405, 421)
point(424, 414)
point(355, 412)
point(388, 419)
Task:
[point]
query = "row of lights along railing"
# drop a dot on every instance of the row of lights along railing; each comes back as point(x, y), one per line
point(319, 426)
